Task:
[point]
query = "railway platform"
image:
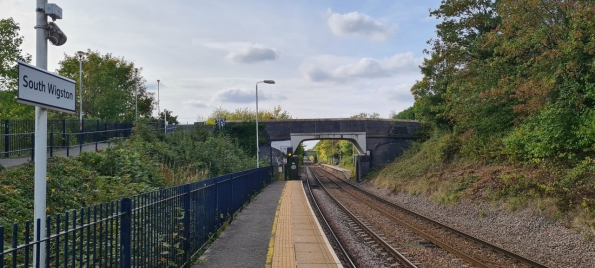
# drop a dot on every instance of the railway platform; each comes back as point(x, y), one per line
point(277, 229)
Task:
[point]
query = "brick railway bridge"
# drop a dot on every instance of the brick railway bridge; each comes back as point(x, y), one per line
point(378, 141)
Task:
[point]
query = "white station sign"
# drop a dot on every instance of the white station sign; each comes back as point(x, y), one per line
point(44, 89)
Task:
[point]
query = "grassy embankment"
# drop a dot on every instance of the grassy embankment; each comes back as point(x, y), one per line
point(435, 170)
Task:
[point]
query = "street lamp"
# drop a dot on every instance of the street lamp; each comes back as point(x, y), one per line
point(158, 109)
point(258, 149)
point(136, 94)
point(81, 54)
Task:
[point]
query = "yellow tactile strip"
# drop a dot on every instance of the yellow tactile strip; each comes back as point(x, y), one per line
point(299, 240)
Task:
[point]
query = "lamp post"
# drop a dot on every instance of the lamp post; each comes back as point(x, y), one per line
point(158, 109)
point(135, 94)
point(257, 149)
point(81, 54)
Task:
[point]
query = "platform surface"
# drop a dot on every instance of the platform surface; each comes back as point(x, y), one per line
point(277, 229)
point(298, 239)
point(244, 243)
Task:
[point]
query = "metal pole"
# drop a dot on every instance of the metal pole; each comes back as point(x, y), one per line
point(81, 92)
point(165, 121)
point(41, 125)
point(136, 94)
point(257, 149)
point(158, 109)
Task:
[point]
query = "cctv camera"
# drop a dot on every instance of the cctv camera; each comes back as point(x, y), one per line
point(55, 35)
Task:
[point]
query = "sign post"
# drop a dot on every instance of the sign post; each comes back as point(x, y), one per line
point(45, 91)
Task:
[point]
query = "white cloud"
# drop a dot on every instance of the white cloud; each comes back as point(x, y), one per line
point(364, 68)
point(195, 103)
point(359, 24)
point(241, 52)
point(237, 95)
point(399, 93)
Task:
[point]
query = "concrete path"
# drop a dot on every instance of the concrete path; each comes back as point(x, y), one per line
point(246, 240)
point(74, 151)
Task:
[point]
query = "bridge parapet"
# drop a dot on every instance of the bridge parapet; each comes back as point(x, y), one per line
point(374, 128)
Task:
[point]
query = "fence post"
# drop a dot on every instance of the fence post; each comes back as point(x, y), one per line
point(2, 244)
point(68, 145)
point(80, 142)
point(32, 147)
point(7, 137)
point(64, 132)
point(187, 197)
point(125, 232)
point(96, 133)
point(51, 144)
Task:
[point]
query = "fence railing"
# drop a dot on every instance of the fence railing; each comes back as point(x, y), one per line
point(17, 136)
point(164, 228)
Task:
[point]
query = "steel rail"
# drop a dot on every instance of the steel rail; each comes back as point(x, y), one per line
point(376, 237)
point(349, 260)
point(441, 225)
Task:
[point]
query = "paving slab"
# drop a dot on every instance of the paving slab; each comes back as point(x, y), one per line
point(245, 242)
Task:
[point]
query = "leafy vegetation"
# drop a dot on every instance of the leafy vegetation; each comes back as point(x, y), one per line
point(245, 114)
point(109, 83)
point(10, 53)
point(507, 100)
point(146, 162)
point(109, 86)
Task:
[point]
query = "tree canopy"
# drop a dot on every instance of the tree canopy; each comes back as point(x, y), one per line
point(246, 114)
point(109, 86)
point(10, 53)
point(519, 73)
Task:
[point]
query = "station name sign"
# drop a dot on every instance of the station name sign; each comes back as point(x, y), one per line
point(41, 88)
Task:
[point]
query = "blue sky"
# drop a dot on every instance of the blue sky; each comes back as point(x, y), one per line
point(330, 59)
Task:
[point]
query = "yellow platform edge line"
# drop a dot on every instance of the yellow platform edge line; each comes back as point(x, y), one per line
point(271, 250)
point(326, 242)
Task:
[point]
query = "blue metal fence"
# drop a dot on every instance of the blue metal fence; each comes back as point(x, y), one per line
point(17, 136)
point(165, 228)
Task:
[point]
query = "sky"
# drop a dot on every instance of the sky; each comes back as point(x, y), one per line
point(329, 59)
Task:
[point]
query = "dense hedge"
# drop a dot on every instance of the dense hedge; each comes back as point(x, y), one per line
point(143, 163)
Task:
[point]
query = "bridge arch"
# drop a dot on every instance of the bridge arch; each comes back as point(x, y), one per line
point(357, 138)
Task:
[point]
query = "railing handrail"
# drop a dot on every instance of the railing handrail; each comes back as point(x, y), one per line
point(114, 231)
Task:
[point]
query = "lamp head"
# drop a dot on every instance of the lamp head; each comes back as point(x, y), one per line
point(158, 81)
point(269, 81)
point(81, 54)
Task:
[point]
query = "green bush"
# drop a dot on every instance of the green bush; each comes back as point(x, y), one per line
point(143, 163)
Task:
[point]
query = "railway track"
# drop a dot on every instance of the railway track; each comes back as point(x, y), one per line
point(344, 256)
point(473, 250)
point(391, 256)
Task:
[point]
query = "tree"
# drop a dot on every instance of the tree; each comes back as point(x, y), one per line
point(440, 96)
point(171, 119)
point(366, 115)
point(109, 87)
point(408, 114)
point(10, 53)
point(245, 114)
